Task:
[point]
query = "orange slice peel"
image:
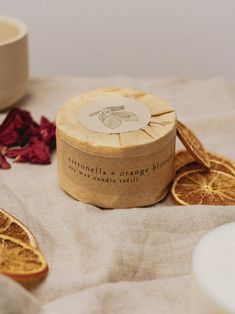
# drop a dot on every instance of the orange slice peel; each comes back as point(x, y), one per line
point(223, 159)
point(215, 165)
point(206, 187)
point(182, 158)
point(12, 227)
point(193, 144)
point(21, 261)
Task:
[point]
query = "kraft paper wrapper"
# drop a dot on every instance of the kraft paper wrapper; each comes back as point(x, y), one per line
point(117, 170)
point(13, 62)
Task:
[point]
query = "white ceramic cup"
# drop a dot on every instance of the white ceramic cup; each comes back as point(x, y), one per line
point(213, 276)
point(13, 61)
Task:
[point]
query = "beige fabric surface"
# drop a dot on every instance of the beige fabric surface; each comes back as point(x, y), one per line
point(114, 261)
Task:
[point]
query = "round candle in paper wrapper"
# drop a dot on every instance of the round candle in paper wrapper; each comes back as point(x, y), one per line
point(213, 289)
point(116, 147)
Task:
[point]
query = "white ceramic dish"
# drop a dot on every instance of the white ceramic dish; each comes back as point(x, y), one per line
point(13, 61)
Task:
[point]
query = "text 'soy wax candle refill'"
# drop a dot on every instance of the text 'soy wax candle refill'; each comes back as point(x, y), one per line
point(213, 290)
point(116, 147)
point(14, 71)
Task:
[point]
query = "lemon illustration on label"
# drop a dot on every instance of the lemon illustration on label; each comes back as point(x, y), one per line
point(113, 116)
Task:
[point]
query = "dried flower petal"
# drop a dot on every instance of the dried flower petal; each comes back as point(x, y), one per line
point(34, 140)
point(16, 119)
point(14, 152)
point(13, 127)
point(4, 164)
point(19, 129)
point(37, 153)
point(47, 130)
point(9, 138)
point(32, 131)
point(3, 149)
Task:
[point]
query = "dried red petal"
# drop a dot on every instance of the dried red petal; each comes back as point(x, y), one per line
point(19, 129)
point(32, 131)
point(13, 127)
point(3, 149)
point(9, 138)
point(16, 119)
point(14, 152)
point(37, 153)
point(4, 164)
point(47, 130)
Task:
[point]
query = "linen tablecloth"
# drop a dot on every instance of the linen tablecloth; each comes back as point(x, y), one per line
point(114, 261)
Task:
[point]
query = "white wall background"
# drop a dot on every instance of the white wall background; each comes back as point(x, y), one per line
point(190, 38)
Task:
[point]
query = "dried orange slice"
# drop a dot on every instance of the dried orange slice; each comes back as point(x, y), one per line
point(221, 166)
point(20, 261)
point(215, 165)
point(192, 144)
point(224, 160)
point(12, 227)
point(182, 158)
point(190, 166)
point(204, 187)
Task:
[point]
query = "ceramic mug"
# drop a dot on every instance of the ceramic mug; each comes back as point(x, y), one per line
point(13, 61)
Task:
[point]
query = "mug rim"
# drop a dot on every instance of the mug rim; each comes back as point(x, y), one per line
point(22, 30)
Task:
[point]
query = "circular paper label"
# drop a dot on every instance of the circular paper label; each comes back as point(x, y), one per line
point(114, 115)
